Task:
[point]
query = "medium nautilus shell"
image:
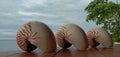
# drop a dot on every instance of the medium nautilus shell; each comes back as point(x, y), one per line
point(36, 34)
point(97, 36)
point(70, 34)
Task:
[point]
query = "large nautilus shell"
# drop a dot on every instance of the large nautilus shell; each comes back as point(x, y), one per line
point(36, 34)
point(97, 36)
point(70, 34)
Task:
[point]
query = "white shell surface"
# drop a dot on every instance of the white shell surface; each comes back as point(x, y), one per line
point(106, 39)
point(39, 34)
point(74, 35)
point(101, 36)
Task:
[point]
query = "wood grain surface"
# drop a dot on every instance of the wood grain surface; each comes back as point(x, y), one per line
point(70, 52)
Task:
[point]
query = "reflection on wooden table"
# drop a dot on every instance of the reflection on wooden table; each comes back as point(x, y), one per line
point(71, 52)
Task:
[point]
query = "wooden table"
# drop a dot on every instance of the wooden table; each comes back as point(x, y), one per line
point(71, 52)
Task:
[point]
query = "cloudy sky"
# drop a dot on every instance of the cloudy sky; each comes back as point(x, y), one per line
point(14, 13)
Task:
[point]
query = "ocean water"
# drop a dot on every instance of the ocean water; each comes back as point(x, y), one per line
point(8, 45)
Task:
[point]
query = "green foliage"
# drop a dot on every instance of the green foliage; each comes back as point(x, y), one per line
point(107, 14)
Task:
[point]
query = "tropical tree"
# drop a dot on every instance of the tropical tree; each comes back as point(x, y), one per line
point(107, 14)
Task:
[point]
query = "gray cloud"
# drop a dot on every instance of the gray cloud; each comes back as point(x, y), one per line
point(14, 13)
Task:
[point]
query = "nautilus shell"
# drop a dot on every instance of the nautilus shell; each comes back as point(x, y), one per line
point(97, 36)
point(70, 34)
point(36, 34)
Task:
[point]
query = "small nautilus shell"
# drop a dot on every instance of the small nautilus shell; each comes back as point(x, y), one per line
point(70, 34)
point(36, 34)
point(99, 36)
